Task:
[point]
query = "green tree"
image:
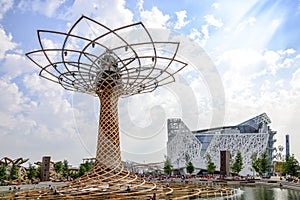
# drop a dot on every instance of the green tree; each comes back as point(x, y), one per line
point(3, 174)
point(238, 163)
point(168, 167)
point(13, 175)
point(58, 167)
point(31, 173)
point(261, 164)
point(82, 170)
point(291, 166)
point(88, 165)
point(211, 167)
point(265, 163)
point(255, 164)
point(65, 169)
point(190, 167)
point(38, 172)
point(74, 175)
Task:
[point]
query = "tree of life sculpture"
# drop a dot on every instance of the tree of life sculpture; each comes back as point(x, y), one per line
point(108, 63)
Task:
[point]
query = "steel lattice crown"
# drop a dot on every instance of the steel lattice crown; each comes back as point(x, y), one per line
point(91, 56)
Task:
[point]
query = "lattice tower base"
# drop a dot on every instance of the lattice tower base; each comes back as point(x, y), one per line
point(108, 176)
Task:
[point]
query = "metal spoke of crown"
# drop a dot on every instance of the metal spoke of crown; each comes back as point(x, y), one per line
point(127, 54)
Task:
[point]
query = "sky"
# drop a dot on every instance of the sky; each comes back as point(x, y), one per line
point(252, 49)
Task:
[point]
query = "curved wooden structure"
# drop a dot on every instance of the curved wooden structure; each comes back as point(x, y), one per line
point(108, 63)
point(18, 162)
point(8, 161)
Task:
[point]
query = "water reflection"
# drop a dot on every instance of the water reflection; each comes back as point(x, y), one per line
point(262, 193)
point(267, 193)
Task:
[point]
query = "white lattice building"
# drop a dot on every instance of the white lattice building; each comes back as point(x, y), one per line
point(251, 136)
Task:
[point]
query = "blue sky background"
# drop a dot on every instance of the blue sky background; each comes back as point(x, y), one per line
point(254, 46)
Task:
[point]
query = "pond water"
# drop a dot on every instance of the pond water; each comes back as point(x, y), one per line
point(262, 193)
point(268, 193)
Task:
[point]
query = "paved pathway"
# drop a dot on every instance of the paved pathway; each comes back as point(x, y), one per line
point(32, 186)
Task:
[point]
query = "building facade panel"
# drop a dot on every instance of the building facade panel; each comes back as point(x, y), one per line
point(251, 136)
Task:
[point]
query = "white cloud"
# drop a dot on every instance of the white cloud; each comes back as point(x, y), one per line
point(295, 81)
point(246, 27)
point(181, 15)
point(38, 118)
point(215, 5)
point(250, 89)
point(287, 51)
point(140, 5)
point(281, 59)
point(11, 97)
point(142, 120)
point(242, 71)
point(281, 104)
point(202, 37)
point(275, 23)
point(154, 18)
point(242, 66)
point(42, 111)
point(272, 57)
point(47, 7)
point(143, 117)
point(13, 111)
point(211, 20)
point(194, 34)
point(205, 32)
point(5, 5)
point(15, 65)
point(112, 13)
point(6, 42)
point(241, 61)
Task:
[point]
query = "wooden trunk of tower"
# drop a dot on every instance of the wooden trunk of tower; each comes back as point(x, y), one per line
point(108, 153)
